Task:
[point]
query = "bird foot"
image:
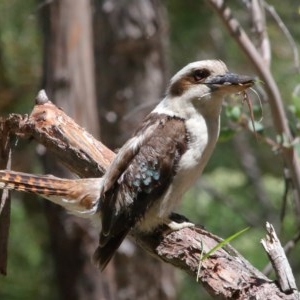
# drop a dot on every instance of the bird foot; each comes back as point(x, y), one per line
point(174, 226)
point(176, 222)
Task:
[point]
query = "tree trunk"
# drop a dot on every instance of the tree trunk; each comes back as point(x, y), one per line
point(130, 47)
point(130, 44)
point(69, 80)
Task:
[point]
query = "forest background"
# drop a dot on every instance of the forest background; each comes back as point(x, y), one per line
point(107, 73)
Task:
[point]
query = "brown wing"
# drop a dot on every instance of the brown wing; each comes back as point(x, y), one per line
point(145, 178)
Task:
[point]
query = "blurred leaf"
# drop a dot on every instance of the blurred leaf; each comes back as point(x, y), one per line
point(297, 148)
point(294, 107)
point(226, 133)
point(233, 112)
point(258, 126)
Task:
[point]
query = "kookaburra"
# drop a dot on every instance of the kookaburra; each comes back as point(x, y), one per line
point(154, 168)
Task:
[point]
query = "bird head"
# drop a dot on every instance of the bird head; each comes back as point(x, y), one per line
point(204, 84)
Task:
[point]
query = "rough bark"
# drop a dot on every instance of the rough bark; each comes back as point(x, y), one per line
point(69, 60)
point(130, 54)
point(69, 80)
point(5, 162)
point(279, 260)
point(130, 45)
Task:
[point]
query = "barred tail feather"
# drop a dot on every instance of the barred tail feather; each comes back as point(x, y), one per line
point(37, 184)
point(79, 196)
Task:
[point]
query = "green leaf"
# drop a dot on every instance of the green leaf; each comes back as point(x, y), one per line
point(226, 134)
point(223, 243)
point(258, 126)
point(233, 112)
point(294, 107)
point(297, 148)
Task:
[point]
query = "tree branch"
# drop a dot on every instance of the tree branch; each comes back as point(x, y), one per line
point(285, 31)
point(276, 104)
point(258, 18)
point(279, 260)
point(225, 273)
point(5, 162)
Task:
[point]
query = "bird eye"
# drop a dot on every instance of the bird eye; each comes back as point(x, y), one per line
point(200, 74)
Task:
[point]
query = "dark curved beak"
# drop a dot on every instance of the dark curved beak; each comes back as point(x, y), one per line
point(231, 79)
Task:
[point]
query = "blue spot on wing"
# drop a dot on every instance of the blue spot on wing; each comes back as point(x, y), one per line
point(156, 175)
point(147, 181)
point(146, 177)
point(136, 183)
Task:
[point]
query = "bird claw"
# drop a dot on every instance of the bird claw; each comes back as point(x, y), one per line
point(174, 226)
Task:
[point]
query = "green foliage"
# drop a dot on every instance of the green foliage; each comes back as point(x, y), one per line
point(226, 133)
point(20, 51)
point(186, 33)
point(294, 109)
point(255, 126)
point(233, 112)
point(30, 265)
